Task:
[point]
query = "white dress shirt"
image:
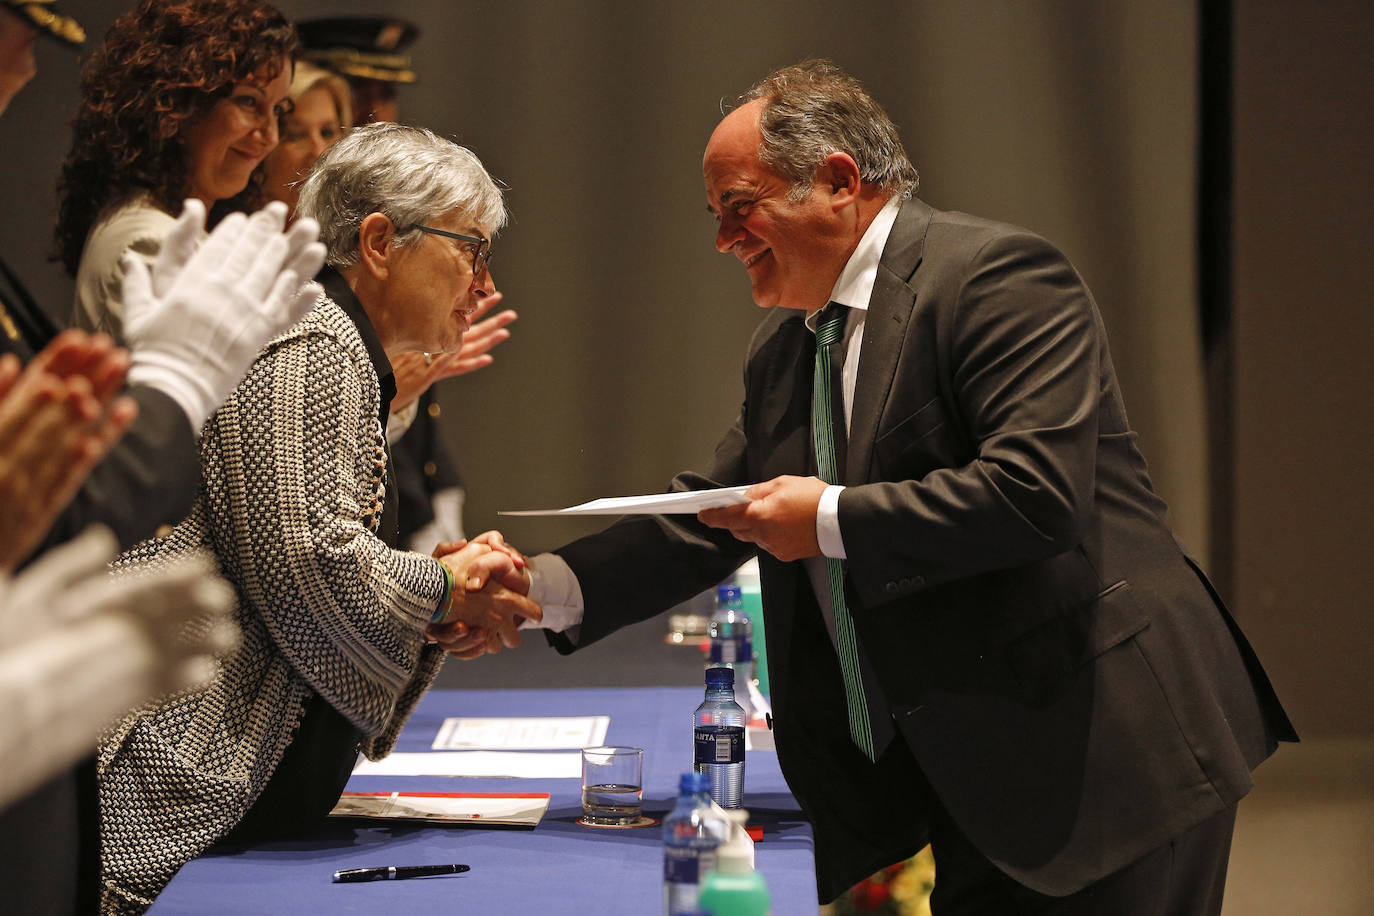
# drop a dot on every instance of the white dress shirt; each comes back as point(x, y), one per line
point(553, 584)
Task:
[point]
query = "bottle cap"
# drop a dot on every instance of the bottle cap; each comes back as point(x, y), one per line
point(726, 594)
point(720, 677)
point(694, 783)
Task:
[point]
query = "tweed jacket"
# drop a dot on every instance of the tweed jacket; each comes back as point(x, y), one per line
point(294, 482)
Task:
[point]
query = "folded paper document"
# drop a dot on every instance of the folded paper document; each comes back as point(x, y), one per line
point(688, 503)
point(517, 809)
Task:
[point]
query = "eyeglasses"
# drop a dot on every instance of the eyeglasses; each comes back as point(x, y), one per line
point(479, 248)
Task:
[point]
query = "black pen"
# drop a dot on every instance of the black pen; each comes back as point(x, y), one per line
point(396, 872)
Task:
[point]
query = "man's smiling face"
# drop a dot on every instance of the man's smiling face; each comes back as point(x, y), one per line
point(787, 246)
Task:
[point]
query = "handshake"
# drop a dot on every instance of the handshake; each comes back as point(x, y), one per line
point(488, 600)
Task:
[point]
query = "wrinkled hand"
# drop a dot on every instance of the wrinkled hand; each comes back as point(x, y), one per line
point(59, 416)
point(493, 539)
point(196, 322)
point(488, 603)
point(780, 517)
point(415, 372)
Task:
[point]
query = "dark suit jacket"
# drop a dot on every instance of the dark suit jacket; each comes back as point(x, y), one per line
point(1067, 681)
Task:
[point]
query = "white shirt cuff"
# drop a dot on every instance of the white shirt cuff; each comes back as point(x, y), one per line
point(554, 587)
point(828, 523)
point(399, 421)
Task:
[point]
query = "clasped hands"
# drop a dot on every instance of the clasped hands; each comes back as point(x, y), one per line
point(489, 599)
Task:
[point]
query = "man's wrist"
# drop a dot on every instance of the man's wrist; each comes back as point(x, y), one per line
point(828, 536)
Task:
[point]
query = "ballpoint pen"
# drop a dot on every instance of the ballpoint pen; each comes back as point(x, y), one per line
point(395, 872)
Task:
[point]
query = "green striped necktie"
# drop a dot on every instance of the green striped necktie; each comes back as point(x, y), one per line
point(830, 330)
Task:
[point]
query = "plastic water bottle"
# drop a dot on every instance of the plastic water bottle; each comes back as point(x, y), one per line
point(691, 834)
point(733, 888)
point(718, 738)
point(732, 641)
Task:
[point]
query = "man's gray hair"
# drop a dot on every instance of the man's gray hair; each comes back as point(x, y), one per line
point(409, 174)
point(813, 109)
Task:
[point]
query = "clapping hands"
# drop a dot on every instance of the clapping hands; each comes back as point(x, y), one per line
point(489, 600)
point(59, 416)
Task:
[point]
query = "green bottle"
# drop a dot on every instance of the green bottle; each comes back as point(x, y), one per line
point(733, 888)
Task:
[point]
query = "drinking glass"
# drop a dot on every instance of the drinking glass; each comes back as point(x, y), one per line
point(612, 785)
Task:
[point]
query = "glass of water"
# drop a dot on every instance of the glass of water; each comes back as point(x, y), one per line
point(612, 785)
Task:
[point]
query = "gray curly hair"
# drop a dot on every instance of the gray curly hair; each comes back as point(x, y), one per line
point(813, 109)
point(408, 174)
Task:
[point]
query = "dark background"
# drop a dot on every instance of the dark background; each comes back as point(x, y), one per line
point(1080, 120)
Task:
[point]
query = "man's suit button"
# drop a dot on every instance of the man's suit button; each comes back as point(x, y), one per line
point(891, 588)
point(918, 580)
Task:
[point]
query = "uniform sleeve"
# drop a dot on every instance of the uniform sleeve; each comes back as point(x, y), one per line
point(149, 477)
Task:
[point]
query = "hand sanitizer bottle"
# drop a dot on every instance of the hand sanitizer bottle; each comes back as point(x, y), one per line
point(733, 888)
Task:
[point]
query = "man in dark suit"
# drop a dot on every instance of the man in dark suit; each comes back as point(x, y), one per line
point(981, 631)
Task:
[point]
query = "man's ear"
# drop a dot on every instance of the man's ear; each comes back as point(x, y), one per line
point(376, 244)
point(840, 176)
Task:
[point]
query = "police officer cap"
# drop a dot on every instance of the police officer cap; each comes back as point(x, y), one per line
point(44, 15)
point(366, 47)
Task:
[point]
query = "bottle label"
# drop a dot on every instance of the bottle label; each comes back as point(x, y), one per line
point(727, 650)
point(719, 743)
point(686, 864)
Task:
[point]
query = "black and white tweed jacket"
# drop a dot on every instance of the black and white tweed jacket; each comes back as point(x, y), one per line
point(294, 478)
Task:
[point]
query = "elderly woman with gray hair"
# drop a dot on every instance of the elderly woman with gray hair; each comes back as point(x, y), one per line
point(298, 511)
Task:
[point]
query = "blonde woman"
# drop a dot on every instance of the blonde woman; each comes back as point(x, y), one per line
point(319, 115)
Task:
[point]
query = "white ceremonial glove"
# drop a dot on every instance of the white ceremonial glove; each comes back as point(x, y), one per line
point(196, 322)
point(117, 642)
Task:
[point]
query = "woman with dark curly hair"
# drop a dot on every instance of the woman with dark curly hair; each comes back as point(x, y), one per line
point(181, 100)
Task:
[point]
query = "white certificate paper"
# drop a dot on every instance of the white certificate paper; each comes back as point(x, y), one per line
point(515, 764)
point(522, 733)
point(688, 503)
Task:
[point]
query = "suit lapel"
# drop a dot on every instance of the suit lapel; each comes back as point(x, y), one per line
point(889, 311)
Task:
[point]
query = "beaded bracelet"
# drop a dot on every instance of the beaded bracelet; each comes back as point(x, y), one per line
point(441, 612)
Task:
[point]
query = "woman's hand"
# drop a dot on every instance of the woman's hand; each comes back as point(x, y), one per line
point(415, 372)
point(489, 600)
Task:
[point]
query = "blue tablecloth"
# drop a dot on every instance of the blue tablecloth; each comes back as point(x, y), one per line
point(558, 867)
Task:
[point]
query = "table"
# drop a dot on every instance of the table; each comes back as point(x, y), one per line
point(558, 867)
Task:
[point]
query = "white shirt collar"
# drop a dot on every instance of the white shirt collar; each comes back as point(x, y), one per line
point(855, 286)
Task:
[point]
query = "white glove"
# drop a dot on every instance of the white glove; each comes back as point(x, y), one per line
point(195, 324)
point(119, 642)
